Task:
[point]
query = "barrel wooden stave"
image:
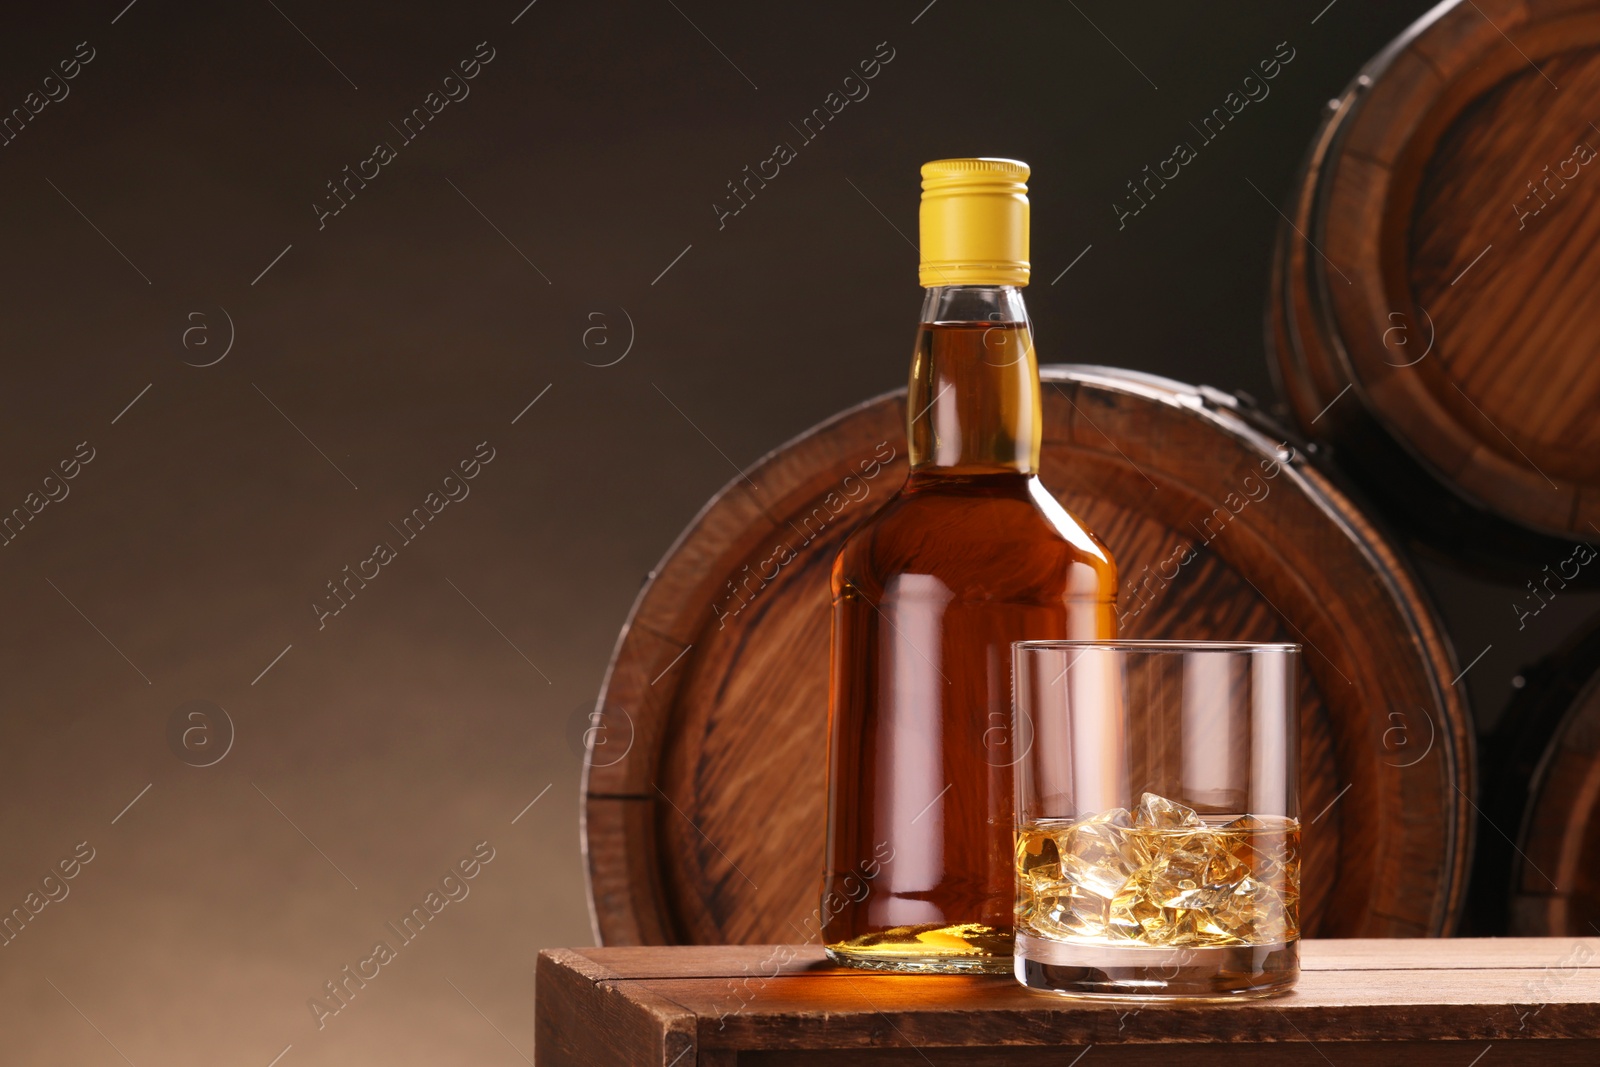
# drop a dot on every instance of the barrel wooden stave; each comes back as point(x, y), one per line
point(710, 830)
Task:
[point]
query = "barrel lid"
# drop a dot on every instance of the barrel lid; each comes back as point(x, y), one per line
point(1433, 311)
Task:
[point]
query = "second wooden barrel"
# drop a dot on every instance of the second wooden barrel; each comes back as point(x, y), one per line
point(1433, 311)
point(1538, 872)
point(705, 783)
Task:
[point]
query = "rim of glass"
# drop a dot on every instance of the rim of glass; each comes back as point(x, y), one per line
point(1169, 646)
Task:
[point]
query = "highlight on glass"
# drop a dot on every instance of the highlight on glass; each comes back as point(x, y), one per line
point(1158, 818)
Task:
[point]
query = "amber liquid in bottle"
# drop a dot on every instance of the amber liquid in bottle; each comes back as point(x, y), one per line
point(972, 554)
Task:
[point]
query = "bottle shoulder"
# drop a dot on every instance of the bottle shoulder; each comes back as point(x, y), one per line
point(988, 539)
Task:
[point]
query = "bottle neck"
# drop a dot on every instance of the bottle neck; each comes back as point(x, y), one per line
point(973, 405)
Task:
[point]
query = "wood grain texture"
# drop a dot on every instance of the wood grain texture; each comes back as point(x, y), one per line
point(1418, 1002)
point(710, 830)
point(582, 1018)
point(1543, 789)
point(1317, 954)
point(1443, 1053)
point(1485, 446)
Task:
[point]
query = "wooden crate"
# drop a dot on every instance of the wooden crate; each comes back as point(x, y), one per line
point(1467, 1003)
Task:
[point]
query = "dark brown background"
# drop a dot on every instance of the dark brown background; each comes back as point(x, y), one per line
point(410, 329)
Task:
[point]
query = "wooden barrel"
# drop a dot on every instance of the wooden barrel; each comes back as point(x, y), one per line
point(1542, 787)
point(705, 782)
point(1433, 312)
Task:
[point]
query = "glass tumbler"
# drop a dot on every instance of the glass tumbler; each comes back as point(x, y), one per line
point(1158, 818)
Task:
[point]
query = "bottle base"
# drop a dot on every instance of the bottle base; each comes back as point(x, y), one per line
point(967, 948)
point(1151, 973)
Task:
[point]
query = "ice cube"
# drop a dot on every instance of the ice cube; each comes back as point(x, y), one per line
point(1115, 817)
point(1253, 913)
point(1099, 854)
point(1068, 911)
point(1181, 867)
point(1158, 813)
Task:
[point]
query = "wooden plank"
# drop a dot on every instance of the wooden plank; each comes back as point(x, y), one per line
point(583, 1021)
point(1536, 1000)
point(854, 1011)
point(1444, 1053)
point(639, 962)
point(1457, 953)
point(1465, 953)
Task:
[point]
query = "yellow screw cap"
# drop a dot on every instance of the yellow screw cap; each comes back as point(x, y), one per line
point(974, 221)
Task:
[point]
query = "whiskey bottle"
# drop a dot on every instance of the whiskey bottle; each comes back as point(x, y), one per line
point(971, 554)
